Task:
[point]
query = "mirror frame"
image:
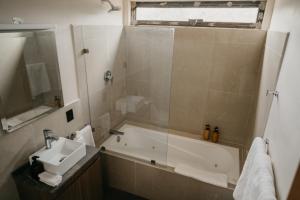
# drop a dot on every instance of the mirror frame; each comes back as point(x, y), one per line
point(7, 28)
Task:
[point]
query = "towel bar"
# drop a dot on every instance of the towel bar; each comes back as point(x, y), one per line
point(267, 142)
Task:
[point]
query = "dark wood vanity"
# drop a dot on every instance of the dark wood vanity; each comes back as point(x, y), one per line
point(82, 182)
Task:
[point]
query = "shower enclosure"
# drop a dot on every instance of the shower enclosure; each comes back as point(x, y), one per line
point(148, 74)
point(140, 63)
point(173, 78)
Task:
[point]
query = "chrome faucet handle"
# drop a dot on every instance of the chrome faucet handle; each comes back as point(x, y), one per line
point(49, 138)
point(47, 131)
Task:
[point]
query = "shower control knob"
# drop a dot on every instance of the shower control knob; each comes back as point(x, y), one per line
point(85, 51)
point(108, 76)
point(273, 92)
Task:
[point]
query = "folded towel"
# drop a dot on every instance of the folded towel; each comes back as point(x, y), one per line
point(85, 136)
point(256, 181)
point(50, 179)
point(38, 79)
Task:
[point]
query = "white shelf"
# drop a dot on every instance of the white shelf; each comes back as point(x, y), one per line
point(11, 27)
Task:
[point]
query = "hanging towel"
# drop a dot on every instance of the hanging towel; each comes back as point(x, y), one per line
point(256, 181)
point(38, 79)
point(50, 179)
point(85, 136)
point(257, 147)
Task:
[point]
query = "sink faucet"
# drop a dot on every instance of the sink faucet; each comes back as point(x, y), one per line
point(49, 138)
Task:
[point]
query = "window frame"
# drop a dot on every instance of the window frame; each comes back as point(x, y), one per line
point(260, 4)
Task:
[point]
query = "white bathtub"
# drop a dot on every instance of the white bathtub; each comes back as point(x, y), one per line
point(208, 162)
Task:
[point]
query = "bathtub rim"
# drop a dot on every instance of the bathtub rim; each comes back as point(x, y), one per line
point(158, 166)
point(243, 151)
point(176, 134)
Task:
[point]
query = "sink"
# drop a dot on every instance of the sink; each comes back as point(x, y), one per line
point(62, 156)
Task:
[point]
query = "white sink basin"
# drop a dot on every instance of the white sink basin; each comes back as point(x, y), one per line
point(63, 155)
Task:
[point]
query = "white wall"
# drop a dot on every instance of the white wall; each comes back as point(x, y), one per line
point(63, 13)
point(283, 125)
point(16, 147)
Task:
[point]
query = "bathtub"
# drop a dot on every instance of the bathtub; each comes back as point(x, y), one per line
point(205, 161)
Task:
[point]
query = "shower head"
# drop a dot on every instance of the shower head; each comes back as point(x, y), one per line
point(113, 7)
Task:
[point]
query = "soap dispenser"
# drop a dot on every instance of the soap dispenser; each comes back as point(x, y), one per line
point(36, 168)
point(206, 132)
point(215, 135)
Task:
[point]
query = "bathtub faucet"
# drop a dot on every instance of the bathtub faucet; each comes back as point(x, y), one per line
point(115, 132)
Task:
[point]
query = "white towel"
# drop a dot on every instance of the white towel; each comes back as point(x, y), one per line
point(258, 146)
point(38, 79)
point(50, 179)
point(85, 136)
point(256, 181)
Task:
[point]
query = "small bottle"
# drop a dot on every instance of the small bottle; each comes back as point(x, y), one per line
point(206, 132)
point(215, 135)
point(36, 168)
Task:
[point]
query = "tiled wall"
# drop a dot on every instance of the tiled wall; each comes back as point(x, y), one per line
point(106, 46)
point(154, 183)
point(179, 78)
point(215, 79)
point(17, 146)
point(148, 74)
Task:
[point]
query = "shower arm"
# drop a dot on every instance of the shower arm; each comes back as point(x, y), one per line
point(113, 7)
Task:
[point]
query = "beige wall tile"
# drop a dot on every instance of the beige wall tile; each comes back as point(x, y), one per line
point(197, 35)
point(119, 173)
point(187, 108)
point(144, 180)
point(168, 185)
point(227, 107)
point(236, 68)
point(214, 80)
point(153, 182)
point(240, 36)
point(100, 102)
point(149, 65)
point(230, 112)
point(102, 125)
point(199, 190)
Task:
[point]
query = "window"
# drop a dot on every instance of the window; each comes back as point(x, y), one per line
point(248, 14)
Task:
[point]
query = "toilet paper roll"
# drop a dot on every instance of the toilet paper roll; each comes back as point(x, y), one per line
point(85, 136)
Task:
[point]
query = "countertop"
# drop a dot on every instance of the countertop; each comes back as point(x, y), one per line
point(22, 175)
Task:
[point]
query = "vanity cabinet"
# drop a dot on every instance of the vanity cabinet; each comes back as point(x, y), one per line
point(82, 182)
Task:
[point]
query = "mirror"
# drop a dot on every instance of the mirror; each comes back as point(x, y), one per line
point(30, 85)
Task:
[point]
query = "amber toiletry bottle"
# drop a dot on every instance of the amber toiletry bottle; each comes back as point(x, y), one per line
point(215, 135)
point(206, 132)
